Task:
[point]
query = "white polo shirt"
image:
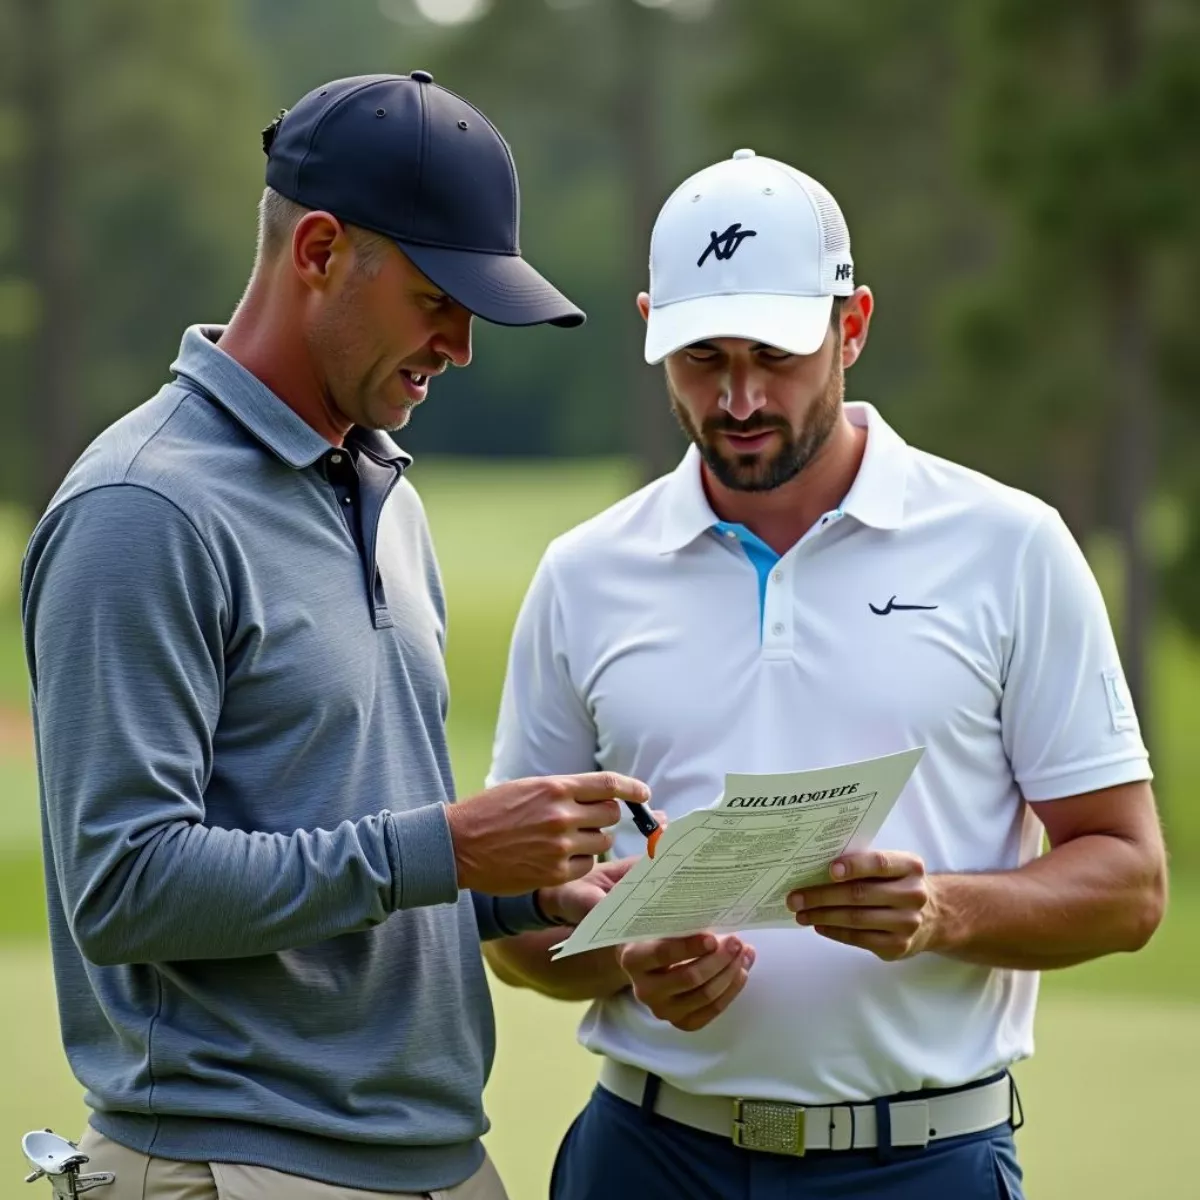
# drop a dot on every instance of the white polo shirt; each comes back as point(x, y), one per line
point(646, 646)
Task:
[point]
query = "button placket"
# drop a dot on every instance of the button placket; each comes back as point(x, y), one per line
point(778, 611)
point(340, 475)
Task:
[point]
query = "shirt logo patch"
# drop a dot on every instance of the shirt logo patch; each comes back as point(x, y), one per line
point(892, 607)
point(1120, 703)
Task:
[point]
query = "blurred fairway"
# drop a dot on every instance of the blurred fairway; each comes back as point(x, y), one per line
point(1119, 1040)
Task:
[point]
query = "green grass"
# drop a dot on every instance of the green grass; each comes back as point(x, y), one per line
point(1174, 746)
point(1119, 1039)
point(15, 527)
point(491, 521)
point(18, 804)
point(14, 682)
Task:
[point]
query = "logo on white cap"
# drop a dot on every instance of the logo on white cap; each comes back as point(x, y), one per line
point(724, 245)
point(748, 248)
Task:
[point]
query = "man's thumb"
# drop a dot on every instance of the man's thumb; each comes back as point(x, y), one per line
point(613, 871)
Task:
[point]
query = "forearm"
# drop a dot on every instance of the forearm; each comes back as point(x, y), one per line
point(524, 962)
point(188, 891)
point(1092, 896)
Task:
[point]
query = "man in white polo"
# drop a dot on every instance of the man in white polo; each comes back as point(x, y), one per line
point(807, 590)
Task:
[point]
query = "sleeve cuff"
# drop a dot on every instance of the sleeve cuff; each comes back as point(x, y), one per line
point(1079, 780)
point(422, 857)
point(506, 916)
point(521, 914)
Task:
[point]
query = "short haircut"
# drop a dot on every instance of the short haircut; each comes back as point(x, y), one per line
point(277, 220)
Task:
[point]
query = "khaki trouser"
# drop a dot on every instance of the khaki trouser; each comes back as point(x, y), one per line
point(142, 1178)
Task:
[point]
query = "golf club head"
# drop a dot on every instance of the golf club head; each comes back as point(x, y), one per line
point(51, 1154)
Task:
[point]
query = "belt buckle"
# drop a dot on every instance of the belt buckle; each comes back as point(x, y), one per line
point(769, 1125)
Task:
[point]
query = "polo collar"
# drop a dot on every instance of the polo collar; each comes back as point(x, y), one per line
point(687, 512)
point(249, 401)
point(876, 498)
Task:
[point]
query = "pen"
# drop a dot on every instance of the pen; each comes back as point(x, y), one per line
point(643, 818)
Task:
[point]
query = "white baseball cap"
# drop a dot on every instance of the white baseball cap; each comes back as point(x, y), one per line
point(747, 248)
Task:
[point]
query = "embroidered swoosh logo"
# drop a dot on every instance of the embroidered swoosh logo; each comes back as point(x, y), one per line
point(892, 607)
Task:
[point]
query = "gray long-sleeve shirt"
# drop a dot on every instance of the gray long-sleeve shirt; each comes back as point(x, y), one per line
point(260, 949)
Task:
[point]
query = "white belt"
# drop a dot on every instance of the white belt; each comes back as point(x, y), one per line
point(783, 1128)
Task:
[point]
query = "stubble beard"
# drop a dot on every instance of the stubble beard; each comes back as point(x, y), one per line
point(762, 472)
point(392, 424)
point(338, 347)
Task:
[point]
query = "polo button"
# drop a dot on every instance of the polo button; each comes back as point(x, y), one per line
point(777, 628)
point(777, 576)
point(730, 533)
point(345, 499)
point(335, 458)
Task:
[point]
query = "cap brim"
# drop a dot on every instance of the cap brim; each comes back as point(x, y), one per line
point(502, 288)
point(796, 324)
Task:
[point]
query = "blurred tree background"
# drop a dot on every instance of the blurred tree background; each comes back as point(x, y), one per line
point(1018, 176)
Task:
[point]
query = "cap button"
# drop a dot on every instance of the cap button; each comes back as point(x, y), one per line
point(421, 77)
point(743, 154)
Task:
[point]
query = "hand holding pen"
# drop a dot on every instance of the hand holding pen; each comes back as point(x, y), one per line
point(645, 820)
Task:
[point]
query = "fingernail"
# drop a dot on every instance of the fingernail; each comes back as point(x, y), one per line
point(804, 918)
point(838, 870)
point(709, 944)
point(796, 901)
point(748, 958)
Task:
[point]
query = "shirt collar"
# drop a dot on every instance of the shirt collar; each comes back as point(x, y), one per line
point(876, 498)
point(246, 398)
point(687, 510)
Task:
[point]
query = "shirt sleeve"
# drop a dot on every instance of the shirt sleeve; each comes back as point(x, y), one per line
point(544, 726)
point(125, 617)
point(1067, 720)
point(506, 916)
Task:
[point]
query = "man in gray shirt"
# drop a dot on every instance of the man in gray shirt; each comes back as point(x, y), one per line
point(265, 914)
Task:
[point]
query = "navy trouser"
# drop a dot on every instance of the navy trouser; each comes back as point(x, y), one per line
point(615, 1151)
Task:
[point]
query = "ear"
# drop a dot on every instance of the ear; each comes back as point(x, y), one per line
point(643, 303)
point(856, 321)
point(321, 250)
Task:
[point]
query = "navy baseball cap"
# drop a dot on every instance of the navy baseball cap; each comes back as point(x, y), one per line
point(406, 158)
